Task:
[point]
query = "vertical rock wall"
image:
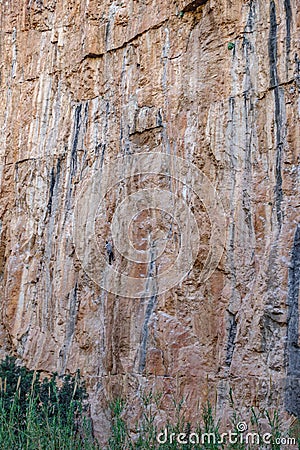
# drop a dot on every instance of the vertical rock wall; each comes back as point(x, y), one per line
point(83, 82)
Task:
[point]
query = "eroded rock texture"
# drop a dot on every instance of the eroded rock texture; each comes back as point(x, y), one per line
point(85, 81)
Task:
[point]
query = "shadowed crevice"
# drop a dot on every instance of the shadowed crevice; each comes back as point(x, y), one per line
point(192, 6)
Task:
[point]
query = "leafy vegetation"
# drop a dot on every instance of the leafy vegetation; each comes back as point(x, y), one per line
point(42, 414)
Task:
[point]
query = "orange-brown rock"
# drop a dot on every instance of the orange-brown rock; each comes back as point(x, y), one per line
point(215, 82)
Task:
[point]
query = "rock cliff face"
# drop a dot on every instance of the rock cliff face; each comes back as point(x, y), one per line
point(214, 82)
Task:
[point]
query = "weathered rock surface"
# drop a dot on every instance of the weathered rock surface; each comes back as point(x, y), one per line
point(85, 81)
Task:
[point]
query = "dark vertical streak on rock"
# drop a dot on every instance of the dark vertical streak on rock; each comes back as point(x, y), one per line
point(232, 206)
point(273, 45)
point(102, 155)
point(231, 259)
point(77, 123)
point(148, 313)
point(278, 187)
point(70, 327)
point(251, 18)
point(84, 123)
point(124, 130)
point(107, 32)
point(278, 112)
point(101, 147)
point(72, 314)
point(297, 71)
point(73, 157)
point(232, 330)
point(58, 167)
point(159, 120)
point(52, 207)
point(144, 336)
point(52, 184)
point(292, 394)
point(54, 180)
point(248, 113)
point(288, 21)
point(248, 119)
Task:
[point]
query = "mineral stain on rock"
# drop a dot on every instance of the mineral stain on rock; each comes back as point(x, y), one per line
point(232, 330)
point(54, 181)
point(279, 111)
point(292, 395)
point(77, 124)
point(145, 333)
point(288, 22)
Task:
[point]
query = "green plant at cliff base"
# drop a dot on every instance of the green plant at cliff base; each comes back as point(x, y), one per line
point(46, 414)
point(119, 434)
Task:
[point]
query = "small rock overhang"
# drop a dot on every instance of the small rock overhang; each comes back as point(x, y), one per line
point(191, 6)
